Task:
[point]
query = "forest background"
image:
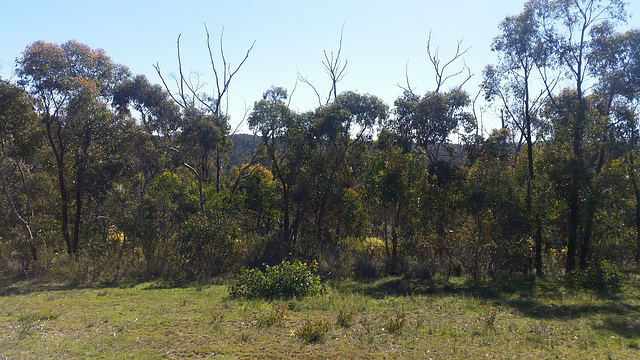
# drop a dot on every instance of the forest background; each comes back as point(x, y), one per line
point(107, 176)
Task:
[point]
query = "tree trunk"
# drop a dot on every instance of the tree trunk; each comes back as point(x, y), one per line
point(59, 153)
point(394, 241)
point(23, 223)
point(594, 197)
point(636, 192)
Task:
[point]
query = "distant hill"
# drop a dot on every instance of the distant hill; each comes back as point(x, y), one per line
point(242, 148)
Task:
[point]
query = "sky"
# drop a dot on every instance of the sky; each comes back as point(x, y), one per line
point(383, 41)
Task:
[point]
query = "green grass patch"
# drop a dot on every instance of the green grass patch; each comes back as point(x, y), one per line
point(384, 318)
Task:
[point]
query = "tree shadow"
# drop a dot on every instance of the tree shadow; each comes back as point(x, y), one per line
point(628, 327)
point(403, 286)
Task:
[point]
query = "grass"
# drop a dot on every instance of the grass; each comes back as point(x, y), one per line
point(448, 320)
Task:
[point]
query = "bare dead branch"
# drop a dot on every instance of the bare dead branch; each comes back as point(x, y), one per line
point(406, 75)
point(434, 58)
point(222, 84)
point(305, 80)
point(295, 86)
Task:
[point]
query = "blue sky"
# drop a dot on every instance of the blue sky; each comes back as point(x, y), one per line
point(380, 38)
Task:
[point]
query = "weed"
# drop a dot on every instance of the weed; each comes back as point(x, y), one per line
point(412, 290)
point(395, 324)
point(216, 323)
point(489, 318)
point(244, 337)
point(346, 318)
point(275, 317)
point(313, 331)
point(602, 275)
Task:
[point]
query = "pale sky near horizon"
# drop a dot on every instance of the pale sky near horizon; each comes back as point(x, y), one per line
point(381, 39)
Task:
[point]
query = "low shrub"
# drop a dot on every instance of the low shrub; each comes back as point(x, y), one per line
point(601, 275)
point(288, 279)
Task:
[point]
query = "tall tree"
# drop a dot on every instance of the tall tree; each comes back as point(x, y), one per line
point(567, 24)
point(510, 83)
point(18, 139)
point(210, 108)
point(284, 136)
point(616, 64)
point(73, 85)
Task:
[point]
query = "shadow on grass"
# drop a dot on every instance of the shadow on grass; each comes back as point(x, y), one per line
point(25, 287)
point(628, 327)
point(531, 298)
point(403, 286)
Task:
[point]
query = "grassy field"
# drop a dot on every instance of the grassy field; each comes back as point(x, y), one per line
point(387, 318)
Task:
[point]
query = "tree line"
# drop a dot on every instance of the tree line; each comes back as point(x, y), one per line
point(108, 174)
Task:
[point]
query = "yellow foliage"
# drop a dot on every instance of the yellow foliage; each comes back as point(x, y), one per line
point(372, 247)
point(115, 236)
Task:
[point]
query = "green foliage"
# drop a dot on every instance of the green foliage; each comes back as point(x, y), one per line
point(313, 331)
point(285, 280)
point(206, 244)
point(601, 275)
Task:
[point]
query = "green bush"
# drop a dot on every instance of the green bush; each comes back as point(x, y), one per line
point(601, 275)
point(285, 280)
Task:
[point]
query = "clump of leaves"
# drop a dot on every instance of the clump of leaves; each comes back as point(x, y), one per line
point(285, 280)
point(313, 331)
point(275, 317)
point(346, 318)
point(396, 323)
point(601, 275)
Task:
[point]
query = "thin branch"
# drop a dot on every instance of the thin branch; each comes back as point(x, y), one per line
point(406, 75)
point(305, 80)
point(295, 86)
point(434, 58)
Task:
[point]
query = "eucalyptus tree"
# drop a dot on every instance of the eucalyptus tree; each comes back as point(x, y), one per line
point(207, 110)
point(510, 83)
point(73, 85)
point(19, 138)
point(284, 138)
point(158, 117)
point(340, 133)
point(616, 64)
point(566, 28)
point(430, 120)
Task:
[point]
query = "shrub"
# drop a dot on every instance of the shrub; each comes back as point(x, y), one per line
point(601, 275)
point(285, 280)
point(206, 244)
point(313, 331)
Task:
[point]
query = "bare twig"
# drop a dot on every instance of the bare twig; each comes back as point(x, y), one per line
point(434, 58)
